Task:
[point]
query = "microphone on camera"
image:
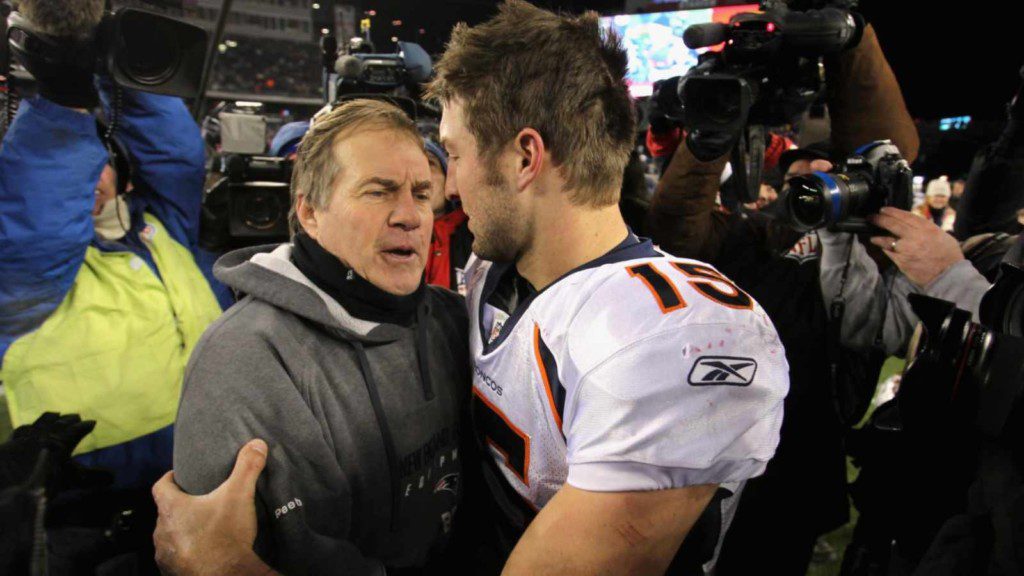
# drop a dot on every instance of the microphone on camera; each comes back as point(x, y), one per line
point(349, 67)
point(704, 35)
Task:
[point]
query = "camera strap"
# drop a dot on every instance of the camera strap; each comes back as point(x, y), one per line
point(837, 309)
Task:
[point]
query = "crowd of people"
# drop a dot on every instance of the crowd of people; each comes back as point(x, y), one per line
point(249, 66)
point(503, 343)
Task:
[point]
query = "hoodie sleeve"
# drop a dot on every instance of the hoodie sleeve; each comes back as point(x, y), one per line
point(238, 388)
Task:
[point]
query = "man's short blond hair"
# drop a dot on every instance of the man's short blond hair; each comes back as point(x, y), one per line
point(560, 75)
point(316, 168)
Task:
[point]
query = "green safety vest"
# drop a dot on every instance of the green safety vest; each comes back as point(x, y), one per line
point(115, 349)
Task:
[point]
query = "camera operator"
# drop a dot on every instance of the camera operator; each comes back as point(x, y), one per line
point(806, 481)
point(102, 296)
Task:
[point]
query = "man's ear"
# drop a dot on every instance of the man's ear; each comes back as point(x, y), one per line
point(529, 151)
point(306, 215)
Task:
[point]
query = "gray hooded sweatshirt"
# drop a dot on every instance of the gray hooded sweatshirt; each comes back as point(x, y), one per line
point(361, 419)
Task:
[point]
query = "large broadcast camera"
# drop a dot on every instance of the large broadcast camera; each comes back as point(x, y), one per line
point(957, 419)
point(875, 176)
point(768, 73)
point(135, 48)
point(358, 72)
point(249, 204)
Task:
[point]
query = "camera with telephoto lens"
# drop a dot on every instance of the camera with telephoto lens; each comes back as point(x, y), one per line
point(137, 49)
point(249, 205)
point(957, 419)
point(768, 73)
point(967, 372)
point(875, 176)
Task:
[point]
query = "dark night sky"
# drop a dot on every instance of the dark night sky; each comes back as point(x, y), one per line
point(949, 61)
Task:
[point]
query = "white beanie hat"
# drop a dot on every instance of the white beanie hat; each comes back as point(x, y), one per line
point(939, 187)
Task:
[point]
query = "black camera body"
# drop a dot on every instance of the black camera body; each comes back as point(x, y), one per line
point(392, 77)
point(767, 74)
point(963, 373)
point(957, 419)
point(249, 205)
point(876, 175)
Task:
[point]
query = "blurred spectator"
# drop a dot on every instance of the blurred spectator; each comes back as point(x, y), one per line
point(451, 243)
point(956, 188)
point(268, 67)
point(936, 204)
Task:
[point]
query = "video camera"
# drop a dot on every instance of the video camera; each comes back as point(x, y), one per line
point(137, 49)
point(249, 204)
point(875, 176)
point(767, 74)
point(957, 419)
point(396, 77)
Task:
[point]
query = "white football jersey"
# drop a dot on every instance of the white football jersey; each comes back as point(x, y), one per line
point(637, 371)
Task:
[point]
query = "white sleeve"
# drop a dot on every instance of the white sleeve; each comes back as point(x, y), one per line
point(697, 405)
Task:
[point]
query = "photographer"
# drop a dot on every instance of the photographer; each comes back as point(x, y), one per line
point(806, 481)
point(101, 297)
point(929, 262)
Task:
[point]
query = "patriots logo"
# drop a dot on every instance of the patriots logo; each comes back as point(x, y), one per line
point(722, 371)
point(449, 483)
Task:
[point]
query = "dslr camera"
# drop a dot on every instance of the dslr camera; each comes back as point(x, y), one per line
point(957, 419)
point(875, 176)
point(767, 74)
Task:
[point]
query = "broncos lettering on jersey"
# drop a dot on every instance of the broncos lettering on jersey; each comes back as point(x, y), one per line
point(636, 371)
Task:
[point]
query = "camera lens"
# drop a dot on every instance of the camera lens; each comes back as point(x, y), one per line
point(807, 203)
point(262, 210)
point(151, 54)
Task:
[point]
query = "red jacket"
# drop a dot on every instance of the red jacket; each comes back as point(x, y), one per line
point(450, 247)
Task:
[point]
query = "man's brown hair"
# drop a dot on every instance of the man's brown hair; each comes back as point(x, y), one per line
point(560, 75)
point(316, 169)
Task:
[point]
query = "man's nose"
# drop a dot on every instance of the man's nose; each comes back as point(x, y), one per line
point(406, 214)
point(450, 189)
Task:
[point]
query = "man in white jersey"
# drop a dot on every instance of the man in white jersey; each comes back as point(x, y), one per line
point(618, 391)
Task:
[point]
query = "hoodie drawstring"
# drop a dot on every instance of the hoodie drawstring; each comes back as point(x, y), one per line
point(378, 408)
point(385, 431)
point(422, 351)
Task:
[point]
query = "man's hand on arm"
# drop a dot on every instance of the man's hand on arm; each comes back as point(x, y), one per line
point(920, 249)
point(584, 532)
point(214, 533)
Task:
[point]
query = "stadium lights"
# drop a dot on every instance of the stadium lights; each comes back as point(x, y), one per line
point(324, 31)
point(316, 6)
point(231, 43)
point(394, 38)
point(248, 104)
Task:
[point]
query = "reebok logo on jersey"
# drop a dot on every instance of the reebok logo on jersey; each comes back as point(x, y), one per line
point(723, 371)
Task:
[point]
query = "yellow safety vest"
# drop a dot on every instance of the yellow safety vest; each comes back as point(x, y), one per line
point(115, 349)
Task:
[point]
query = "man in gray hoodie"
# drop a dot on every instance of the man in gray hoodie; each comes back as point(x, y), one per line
point(351, 369)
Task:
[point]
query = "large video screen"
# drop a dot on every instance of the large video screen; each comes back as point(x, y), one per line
point(655, 46)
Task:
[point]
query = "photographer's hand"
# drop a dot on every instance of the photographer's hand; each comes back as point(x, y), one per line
point(919, 248)
point(211, 534)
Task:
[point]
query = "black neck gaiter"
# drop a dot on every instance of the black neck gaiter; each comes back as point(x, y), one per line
point(356, 295)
